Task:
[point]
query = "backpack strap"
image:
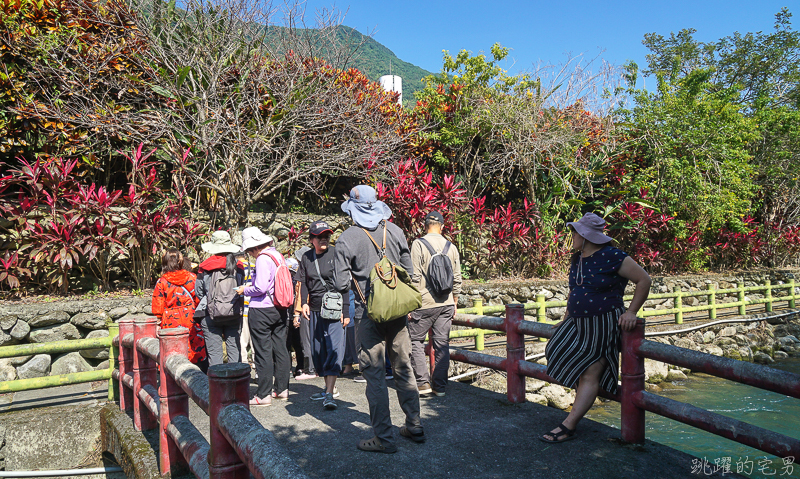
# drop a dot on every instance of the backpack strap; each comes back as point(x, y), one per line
point(428, 245)
point(381, 250)
point(446, 248)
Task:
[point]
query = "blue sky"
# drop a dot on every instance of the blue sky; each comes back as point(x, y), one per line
point(417, 31)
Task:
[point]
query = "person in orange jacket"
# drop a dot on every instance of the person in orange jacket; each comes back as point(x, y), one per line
point(174, 302)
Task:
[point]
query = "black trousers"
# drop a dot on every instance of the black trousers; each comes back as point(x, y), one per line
point(268, 330)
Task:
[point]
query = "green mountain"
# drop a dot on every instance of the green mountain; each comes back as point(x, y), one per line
point(375, 60)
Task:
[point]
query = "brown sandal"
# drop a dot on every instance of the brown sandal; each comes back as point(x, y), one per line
point(375, 445)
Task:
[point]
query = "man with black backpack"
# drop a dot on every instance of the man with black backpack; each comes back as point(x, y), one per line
point(437, 275)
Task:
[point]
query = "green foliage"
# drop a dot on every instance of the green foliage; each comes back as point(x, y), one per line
point(693, 142)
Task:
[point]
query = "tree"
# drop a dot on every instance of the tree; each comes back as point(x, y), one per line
point(528, 132)
point(259, 108)
point(760, 65)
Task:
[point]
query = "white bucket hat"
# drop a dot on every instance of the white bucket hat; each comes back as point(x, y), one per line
point(220, 243)
point(252, 237)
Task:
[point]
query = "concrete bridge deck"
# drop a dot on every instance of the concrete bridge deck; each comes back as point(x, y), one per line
point(472, 432)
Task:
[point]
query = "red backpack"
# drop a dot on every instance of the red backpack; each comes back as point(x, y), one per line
point(283, 296)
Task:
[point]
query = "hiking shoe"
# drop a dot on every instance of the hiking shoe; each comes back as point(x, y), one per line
point(304, 376)
point(329, 403)
point(389, 375)
point(360, 379)
point(438, 393)
point(375, 445)
point(414, 436)
point(425, 388)
point(321, 395)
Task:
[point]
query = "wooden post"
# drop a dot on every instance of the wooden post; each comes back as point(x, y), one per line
point(678, 304)
point(712, 301)
point(791, 294)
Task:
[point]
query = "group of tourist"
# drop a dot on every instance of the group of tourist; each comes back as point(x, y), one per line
point(240, 301)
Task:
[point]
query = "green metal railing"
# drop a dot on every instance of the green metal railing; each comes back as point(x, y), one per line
point(64, 347)
point(711, 293)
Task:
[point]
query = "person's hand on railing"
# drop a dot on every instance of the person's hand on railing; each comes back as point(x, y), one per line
point(627, 320)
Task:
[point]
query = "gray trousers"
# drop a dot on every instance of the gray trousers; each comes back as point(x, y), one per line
point(376, 340)
point(214, 335)
point(307, 327)
point(438, 320)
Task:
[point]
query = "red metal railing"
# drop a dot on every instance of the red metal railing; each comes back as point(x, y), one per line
point(633, 398)
point(156, 381)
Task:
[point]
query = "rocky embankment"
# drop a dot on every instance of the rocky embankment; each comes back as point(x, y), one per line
point(757, 341)
point(48, 322)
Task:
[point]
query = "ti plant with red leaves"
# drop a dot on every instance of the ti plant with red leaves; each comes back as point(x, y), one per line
point(10, 270)
point(154, 220)
point(414, 193)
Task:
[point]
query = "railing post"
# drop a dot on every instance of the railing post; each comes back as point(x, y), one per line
point(478, 305)
point(768, 296)
point(227, 384)
point(145, 372)
point(515, 353)
point(678, 304)
point(541, 311)
point(113, 354)
point(479, 337)
point(712, 301)
point(125, 365)
point(791, 294)
point(174, 400)
point(632, 417)
point(742, 306)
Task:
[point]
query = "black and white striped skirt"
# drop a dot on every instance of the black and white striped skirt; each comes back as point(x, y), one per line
point(580, 342)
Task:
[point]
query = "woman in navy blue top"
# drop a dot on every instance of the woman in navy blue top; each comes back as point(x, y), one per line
point(584, 351)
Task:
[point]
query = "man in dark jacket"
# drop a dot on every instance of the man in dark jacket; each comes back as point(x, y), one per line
point(356, 255)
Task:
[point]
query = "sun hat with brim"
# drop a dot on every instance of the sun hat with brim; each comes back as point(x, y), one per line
point(590, 227)
point(253, 237)
point(220, 243)
point(364, 207)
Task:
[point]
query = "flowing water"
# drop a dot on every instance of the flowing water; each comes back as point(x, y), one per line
point(758, 407)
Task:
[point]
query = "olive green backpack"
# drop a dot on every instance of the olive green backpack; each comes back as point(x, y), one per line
point(391, 293)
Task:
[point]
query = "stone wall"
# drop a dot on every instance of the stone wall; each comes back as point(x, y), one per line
point(58, 321)
point(505, 292)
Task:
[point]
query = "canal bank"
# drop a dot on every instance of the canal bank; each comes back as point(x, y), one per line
point(765, 409)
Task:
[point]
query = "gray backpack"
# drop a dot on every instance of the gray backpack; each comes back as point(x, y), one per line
point(224, 306)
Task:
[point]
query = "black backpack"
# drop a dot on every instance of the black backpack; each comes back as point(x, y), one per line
point(440, 271)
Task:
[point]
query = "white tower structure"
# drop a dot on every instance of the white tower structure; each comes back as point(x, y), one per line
point(393, 83)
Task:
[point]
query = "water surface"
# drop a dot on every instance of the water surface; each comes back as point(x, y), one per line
point(765, 409)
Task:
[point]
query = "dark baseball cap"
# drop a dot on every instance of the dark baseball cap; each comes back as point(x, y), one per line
point(435, 216)
point(319, 227)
